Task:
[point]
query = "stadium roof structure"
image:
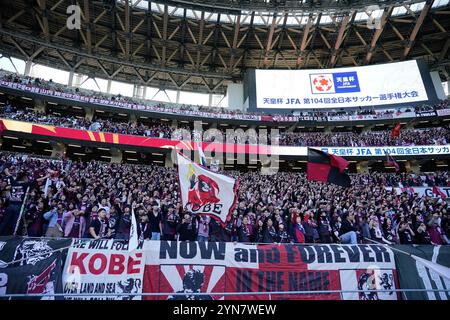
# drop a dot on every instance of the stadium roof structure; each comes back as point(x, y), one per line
point(202, 45)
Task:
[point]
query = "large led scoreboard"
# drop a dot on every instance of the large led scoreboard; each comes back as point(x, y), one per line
point(407, 82)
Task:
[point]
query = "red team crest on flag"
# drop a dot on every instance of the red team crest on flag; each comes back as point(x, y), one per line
point(202, 190)
point(206, 192)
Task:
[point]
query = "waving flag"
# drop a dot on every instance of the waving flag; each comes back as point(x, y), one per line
point(133, 241)
point(326, 167)
point(201, 155)
point(396, 131)
point(205, 192)
point(391, 162)
point(438, 192)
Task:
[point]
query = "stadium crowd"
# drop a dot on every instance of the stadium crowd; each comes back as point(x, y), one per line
point(408, 137)
point(96, 200)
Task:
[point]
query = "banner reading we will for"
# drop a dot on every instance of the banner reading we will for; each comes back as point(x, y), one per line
point(101, 269)
point(213, 268)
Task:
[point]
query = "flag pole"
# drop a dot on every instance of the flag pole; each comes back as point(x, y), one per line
point(21, 211)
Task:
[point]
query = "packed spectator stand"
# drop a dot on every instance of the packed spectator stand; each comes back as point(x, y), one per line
point(408, 137)
point(96, 199)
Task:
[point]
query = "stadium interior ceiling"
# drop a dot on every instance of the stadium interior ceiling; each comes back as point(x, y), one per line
point(204, 45)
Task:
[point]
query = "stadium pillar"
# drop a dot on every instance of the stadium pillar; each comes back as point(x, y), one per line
point(58, 149)
point(116, 155)
point(40, 106)
point(71, 75)
point(168, 163)
point(89, 113)
point(108, 86)
point(133, 118)
point(362, 167)
point(139, 91)
point(412, 166)
point(367, 128)
point(78, 80)
point(28, 66)
point(210, 99)
point(178, 96)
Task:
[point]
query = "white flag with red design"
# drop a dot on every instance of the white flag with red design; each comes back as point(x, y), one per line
point(205, 192)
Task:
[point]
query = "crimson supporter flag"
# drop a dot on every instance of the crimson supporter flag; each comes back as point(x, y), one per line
point(396, 131)
point(205, 192)
point(438, 192)
point(327, 168)
point(391, 162)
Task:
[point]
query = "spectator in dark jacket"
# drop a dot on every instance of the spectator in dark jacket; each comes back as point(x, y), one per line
point(324, 229)
point(282, 235)
point(170, 221)
point(422, 235)
point(259, 232)
point(244, 230)
point(347, 233)
point(405, 234)
point(270, 234)
point(186, 230)
point(308, 225)
point(124, 224)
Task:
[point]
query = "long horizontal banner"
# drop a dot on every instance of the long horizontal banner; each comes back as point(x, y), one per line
point(381, 115)
point(176, 270)
point(103, 267)
point(423, 191)
point(147, 142)
point(213, 268)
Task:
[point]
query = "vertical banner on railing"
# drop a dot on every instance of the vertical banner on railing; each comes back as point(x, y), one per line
point(96, 268)
point(424, 267)
point(31, 266)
